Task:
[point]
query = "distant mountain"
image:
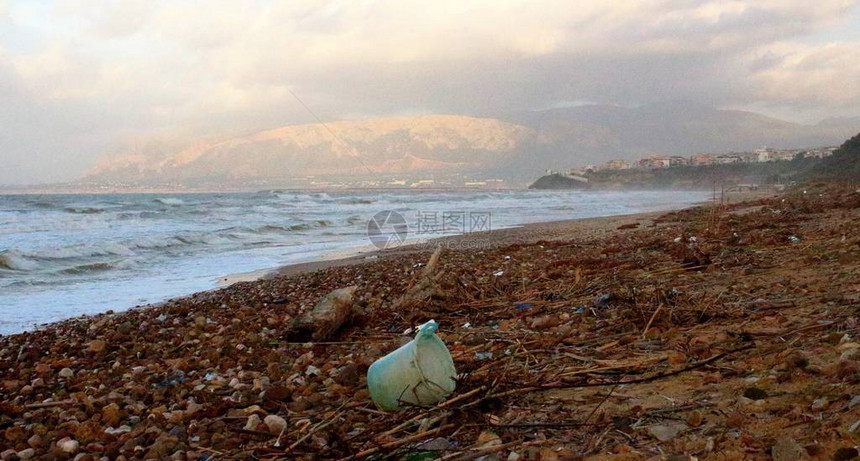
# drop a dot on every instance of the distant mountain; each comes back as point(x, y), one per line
point(518, 146)
point(389, 145)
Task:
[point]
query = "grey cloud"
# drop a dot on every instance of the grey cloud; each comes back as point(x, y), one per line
point(141, 69)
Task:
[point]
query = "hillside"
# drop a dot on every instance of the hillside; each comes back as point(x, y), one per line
point(519, 147)
point(597, 133)
point(843, 165)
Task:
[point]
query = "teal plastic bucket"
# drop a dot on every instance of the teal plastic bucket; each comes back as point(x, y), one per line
point(421, 372)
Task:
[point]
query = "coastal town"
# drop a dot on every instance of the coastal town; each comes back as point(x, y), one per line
point(761, 155)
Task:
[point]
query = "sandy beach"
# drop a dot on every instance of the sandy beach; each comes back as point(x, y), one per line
point(716, 332)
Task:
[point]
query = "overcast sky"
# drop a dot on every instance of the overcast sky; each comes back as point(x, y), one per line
point(81, 78)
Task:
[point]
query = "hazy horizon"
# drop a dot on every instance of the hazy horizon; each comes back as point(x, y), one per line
point(81, 80)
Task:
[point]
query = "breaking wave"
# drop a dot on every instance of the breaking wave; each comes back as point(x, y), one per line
point(88, 268)
point(83, 210)
point(15, 261)
point(169, 201)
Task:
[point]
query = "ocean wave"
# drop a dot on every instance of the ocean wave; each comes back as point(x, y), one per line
point(42, 204)
point(356, 201)
point(169, 201)
point(83, 210)
point(88, 268)
point(12, 260)
point(139, 215)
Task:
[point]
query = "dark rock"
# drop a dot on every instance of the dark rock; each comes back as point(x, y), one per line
point(755, 393)
point(845, 453)
point(278, 393)
point(347, 375)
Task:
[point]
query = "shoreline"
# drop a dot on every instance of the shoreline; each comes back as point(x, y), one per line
point(525, 233)
point(315, 258)
point(487, 239)
point(666, 318)
point(368, 253)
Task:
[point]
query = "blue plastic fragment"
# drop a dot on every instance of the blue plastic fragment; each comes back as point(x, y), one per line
point(523, 305)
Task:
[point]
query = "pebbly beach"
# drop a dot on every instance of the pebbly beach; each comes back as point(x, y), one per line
point(722, 330)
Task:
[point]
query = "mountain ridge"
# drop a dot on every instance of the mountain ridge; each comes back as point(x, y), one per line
point(517, 145)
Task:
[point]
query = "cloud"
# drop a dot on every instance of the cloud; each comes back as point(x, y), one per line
point(137, 68)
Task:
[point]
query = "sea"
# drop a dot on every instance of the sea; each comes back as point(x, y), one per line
point(62, 256)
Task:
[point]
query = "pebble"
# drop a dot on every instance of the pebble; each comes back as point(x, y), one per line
point(253, 422)
point(820, 404)
point(35, 441)
point(97, 346)
point(347, 375)
point(29, 453)
point(275, 423)
point(66, 373)
point(787, 450)
point(278, 393)
point(695, 419)
point(120, 430)
point(68, 445)
point(665, 432)
point(111, 415)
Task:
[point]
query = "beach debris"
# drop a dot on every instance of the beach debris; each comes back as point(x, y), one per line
point(421, 372)
point(602, 300)
point(326, 317)
point(778, 317)
point(545, 322)
point(521, 306)
point(425, 288)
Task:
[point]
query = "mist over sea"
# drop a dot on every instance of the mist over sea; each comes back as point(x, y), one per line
point(66, 255)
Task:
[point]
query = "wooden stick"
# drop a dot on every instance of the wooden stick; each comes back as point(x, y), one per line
point(483, 451)
point(645, 331)
point(398, 443)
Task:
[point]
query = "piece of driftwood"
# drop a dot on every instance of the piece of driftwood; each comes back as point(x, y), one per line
point(425, 287)
point(323, 321)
